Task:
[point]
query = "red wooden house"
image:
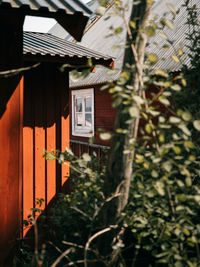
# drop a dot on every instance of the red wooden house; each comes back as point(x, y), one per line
point(98, 36)
point(34, 111)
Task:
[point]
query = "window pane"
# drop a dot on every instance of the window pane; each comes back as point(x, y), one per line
point(88, 104)
point(78, 104)
point(88, 120)
point(79, 119)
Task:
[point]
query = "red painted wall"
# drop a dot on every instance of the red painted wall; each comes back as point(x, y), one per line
point(45, 126)
point(36, 118)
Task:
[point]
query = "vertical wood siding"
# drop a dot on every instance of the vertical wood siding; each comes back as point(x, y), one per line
point(46, 127)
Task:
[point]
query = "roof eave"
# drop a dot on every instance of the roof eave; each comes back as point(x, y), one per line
point(73, 22)
point(74, 61)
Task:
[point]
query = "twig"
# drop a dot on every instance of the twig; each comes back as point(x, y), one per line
point(81, 212)
point(93, 237)
point(170, 199)
point(72, 244)
point(151, 123)
point(39, 262)
point(8, 73)
point(64, 254)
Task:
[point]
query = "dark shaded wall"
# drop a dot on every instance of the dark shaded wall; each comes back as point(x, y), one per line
point(11, 115)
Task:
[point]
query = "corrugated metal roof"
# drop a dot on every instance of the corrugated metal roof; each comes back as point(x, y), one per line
point(99, 37)
point(50, 6)
point(95, 38)
point(46, 45)
point(178, 35)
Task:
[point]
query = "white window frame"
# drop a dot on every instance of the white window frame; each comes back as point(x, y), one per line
point(82, 130)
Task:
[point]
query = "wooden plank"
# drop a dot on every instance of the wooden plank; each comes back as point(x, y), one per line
point(21, 110)
point(65, 128)
point(28, 151)
point(39, 167)
point(40, 184)
point(51, 165)
point(50, 133)
point(28, 186)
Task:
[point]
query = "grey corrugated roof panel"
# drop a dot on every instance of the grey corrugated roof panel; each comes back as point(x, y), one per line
point(95, 38)
point(48, 45)
point(98, 37)
point(67, 6)
point(100, 76)
point(178, 36)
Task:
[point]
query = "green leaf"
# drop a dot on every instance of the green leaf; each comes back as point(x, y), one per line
point(138, 99)
point(171, 7)
point(150, 2)
point(169, 24)
point(150, 31)
point(184, 83)
point(180, 184)
point(105, 136)
point(186, 116)
point(159, 186)
point(176, 87)
point(163, 35)
point(139, 158)
point(196, 125)
point(162, 138)
point(167, 166)
point(86, 157)
point(154, 113)
point(153, 58)
point(164, 101)
point(174, 120)
point(188, 181)
point(118, 30)
point(148, 128)
point(191, 158)
point(125, 75)
point(177, 149)
point(178, 264)
point(146, 165)
point(180, 52)
point(100, 10)
point(185, 172)
point(188, 144)
point(134, 112)
point(175, 58)
point(154, 174)
point(161, 73)
point(184, 129)
point(50, 156)
point(186, 232)
point(132, 24)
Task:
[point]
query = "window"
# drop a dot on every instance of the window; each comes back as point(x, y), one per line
point(83, 112)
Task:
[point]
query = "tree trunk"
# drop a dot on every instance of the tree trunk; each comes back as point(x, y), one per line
point(119, 170)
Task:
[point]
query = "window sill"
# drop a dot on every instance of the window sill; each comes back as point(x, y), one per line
point(82, 134)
